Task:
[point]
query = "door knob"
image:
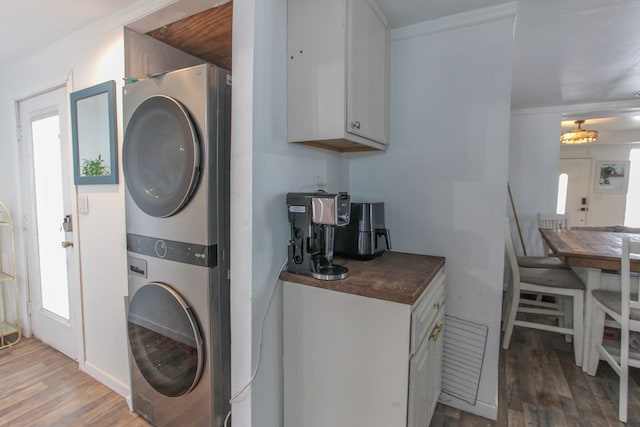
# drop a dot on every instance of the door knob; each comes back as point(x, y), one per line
point(66, 244)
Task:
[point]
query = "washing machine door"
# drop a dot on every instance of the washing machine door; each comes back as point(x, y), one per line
point(165, 340)
point(161, 156)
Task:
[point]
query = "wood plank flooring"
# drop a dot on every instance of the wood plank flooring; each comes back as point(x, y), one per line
point(41, 387)
point(540, 385)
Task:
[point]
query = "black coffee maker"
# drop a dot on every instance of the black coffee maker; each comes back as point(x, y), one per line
point(313, 218)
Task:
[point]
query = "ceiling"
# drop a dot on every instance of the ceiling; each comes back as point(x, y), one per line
point(31, 25)
point(565, 51)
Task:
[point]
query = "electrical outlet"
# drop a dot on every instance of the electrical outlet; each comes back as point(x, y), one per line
point(319, 183)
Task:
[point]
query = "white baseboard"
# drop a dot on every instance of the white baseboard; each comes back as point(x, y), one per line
point(483, 409)
point(113, 383)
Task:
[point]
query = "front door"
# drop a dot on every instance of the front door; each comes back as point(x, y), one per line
point(46, 183)
point(578, 172)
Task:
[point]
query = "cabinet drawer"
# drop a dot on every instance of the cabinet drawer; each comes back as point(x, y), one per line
point(426, 309)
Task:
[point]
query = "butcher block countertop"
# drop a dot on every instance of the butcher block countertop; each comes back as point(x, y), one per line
point(393, 276)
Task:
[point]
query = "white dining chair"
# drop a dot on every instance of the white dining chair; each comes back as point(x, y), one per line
point(553, 221)
point(548, 281)
point(624, 309)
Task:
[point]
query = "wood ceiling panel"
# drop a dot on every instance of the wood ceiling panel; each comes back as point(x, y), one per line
point(206, 35)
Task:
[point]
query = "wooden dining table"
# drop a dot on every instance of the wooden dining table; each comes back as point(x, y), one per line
point(589, 253)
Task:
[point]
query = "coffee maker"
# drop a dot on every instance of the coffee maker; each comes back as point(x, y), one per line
point(313, 218)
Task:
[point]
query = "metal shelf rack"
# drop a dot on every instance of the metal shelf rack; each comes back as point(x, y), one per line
point(10, 332)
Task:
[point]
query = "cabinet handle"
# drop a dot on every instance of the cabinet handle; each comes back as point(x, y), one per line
point(355, 125)
point(437, 306)
point(435, 332)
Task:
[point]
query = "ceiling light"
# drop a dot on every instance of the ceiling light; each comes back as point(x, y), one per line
point(579, 136)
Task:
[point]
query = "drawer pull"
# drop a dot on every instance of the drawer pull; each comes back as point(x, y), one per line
point(435, 332)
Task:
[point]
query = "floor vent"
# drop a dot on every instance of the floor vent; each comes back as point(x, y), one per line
point(464, 345)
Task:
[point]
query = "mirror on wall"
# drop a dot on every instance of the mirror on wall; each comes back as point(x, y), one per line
point(93, 129)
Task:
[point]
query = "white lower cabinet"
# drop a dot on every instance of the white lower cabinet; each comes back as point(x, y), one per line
point(419, 386)
point(425, 375)
point(351, 360)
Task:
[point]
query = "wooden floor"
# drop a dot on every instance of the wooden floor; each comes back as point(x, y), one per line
point(41, 387)
point(539, 385)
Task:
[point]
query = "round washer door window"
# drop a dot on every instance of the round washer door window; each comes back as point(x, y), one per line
point(161, 156)
point(165, 340)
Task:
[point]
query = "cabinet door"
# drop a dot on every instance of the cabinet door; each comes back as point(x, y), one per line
point(436, 349)
point(367, 72)
point(419, 410)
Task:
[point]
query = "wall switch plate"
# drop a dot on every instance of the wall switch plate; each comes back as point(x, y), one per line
point(83, 205)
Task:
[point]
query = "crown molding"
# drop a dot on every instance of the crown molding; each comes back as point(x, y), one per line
point(453, 22)
point(587, 110)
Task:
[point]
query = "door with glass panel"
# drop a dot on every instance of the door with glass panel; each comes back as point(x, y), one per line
point(47, 188)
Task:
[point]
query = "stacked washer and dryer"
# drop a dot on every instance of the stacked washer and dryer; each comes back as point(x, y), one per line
point(176, 167)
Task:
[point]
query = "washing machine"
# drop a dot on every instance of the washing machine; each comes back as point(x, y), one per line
point(175, 160)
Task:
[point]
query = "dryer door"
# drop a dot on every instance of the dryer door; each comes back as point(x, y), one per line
point(165, 340)
point(161, 156)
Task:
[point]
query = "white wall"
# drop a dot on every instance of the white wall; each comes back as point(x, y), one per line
point(533, 172)
point(264, 168)
point(90, 56)
point(443, 178)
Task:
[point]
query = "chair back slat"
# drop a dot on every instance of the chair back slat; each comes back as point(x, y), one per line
point(630, 248)
point(512, 259)
point(553, 221)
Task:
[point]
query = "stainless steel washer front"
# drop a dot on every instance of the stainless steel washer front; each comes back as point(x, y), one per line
point(165, 339)
point(178, 331)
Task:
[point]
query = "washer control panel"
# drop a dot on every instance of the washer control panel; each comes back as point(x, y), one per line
point(188, 253)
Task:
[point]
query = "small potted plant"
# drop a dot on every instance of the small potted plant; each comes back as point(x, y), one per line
point(95, 167)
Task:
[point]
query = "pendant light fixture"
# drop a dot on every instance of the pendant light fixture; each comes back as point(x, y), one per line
point(579, 136)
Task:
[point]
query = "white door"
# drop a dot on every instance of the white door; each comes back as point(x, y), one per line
point(46, 183)
point(578, 181)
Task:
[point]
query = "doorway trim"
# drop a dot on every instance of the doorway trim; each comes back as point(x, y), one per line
point(75, 298)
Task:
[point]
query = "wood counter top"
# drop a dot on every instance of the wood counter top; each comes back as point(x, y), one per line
point(393, 276)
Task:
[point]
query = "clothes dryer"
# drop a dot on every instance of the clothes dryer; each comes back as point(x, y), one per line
point(175, 155)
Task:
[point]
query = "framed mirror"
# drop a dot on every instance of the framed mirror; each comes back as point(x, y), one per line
point(93, 130)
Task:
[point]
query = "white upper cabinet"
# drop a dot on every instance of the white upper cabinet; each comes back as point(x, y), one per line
point(338, 68)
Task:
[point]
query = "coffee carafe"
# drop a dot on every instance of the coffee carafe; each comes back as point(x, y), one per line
point(313, 218)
